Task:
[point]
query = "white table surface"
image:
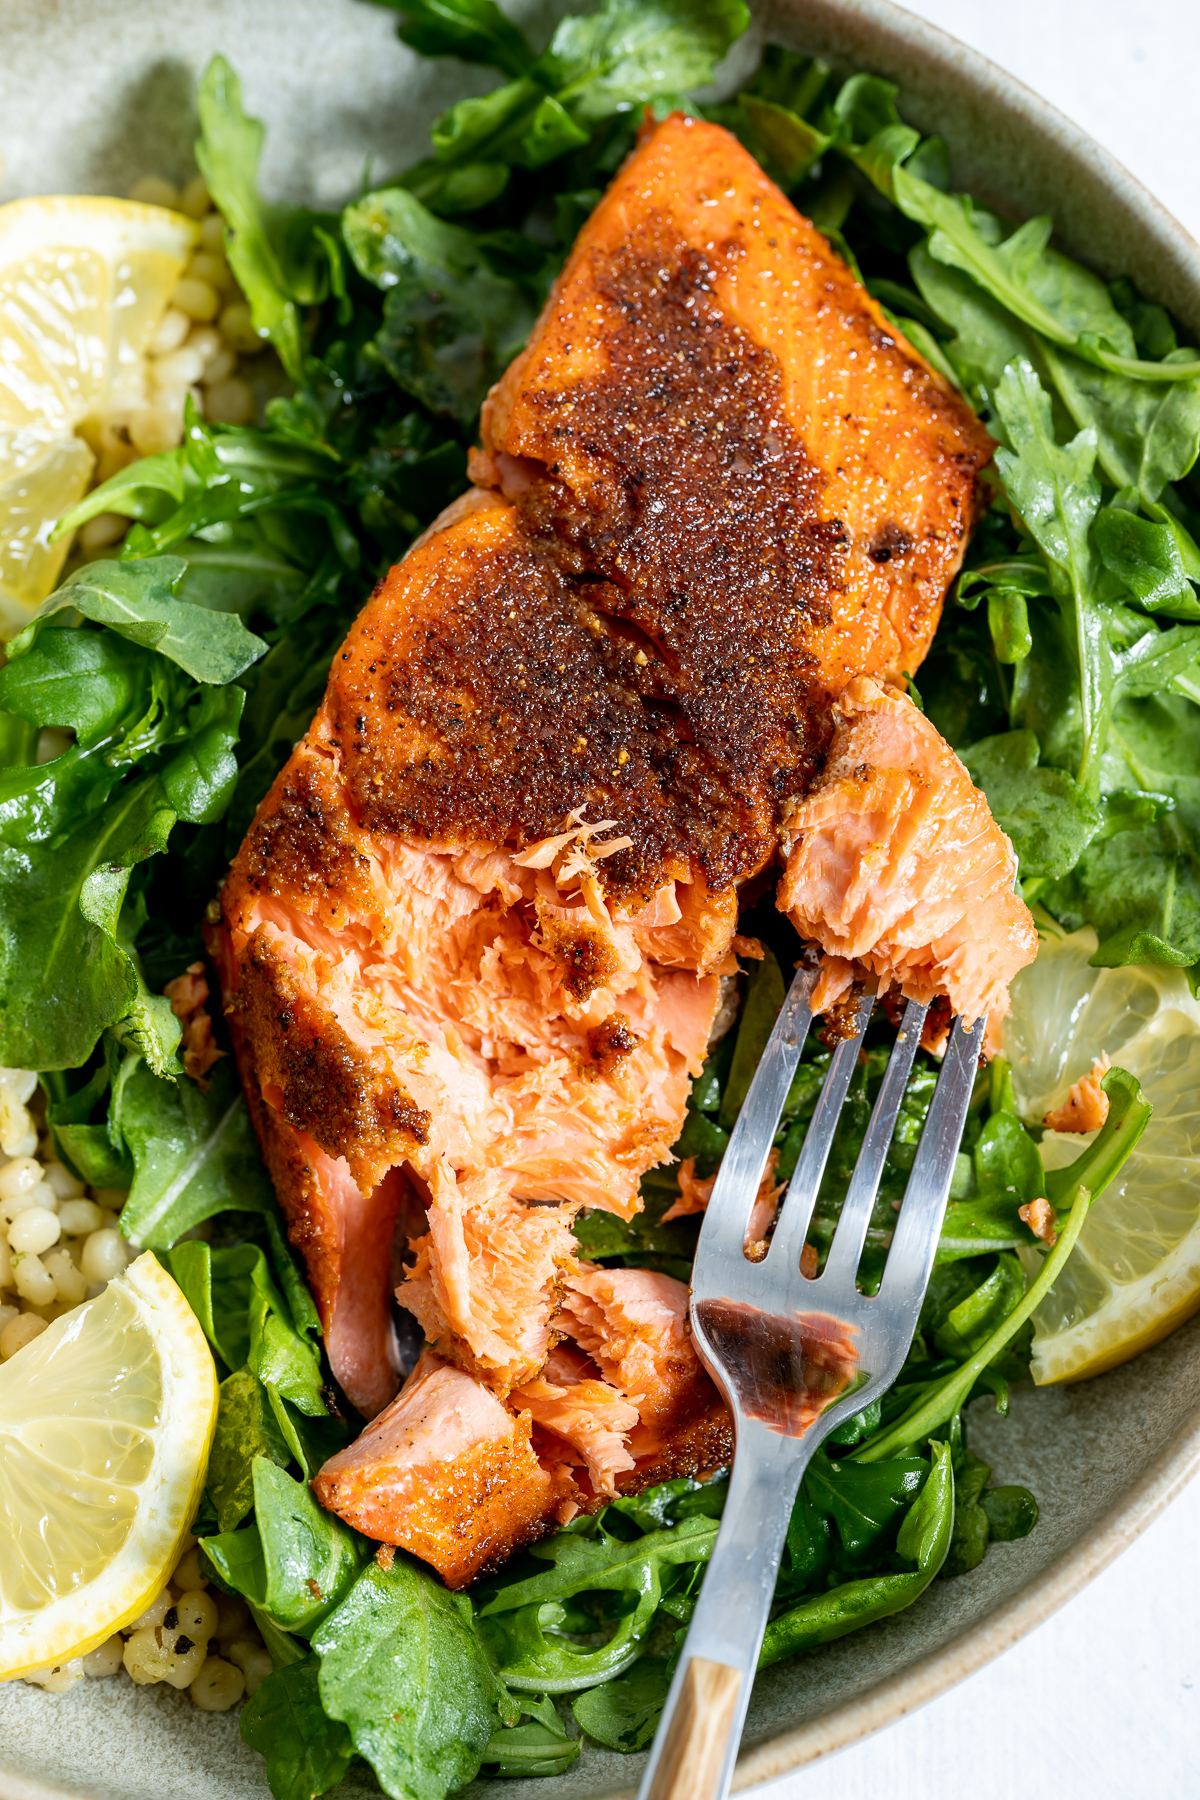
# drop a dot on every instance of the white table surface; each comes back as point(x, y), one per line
point(1103, 1701)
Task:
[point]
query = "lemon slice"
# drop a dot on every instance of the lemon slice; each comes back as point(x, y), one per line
point(105, 1425)
point(83, 284)
point(1134, 1275)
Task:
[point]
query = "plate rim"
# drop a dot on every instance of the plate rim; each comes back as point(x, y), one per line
point(893, 41)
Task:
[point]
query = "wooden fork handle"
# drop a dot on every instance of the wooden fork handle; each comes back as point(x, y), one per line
point(693, 1753)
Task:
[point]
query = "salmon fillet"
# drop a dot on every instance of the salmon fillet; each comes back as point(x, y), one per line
point(472, 947)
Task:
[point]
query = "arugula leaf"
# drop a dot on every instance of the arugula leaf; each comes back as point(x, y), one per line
point(782, 140)
point(630, 51)
point(295, 1561)
point(1070, 1194)
point(137, 600)
point(65, 973)
point(215, 1285)
point(450, 324)
point(1049, 818)
point(864, 1502)
point(80, 681)
point(1055, 489)
point(306, 1751)
point(279, 1356)
point(1146, 560)
point(246, 1434)
point(194, 1154)
point(624, 1714)
point(476, 31)
point(923, 1540)
point(625, 54)
point(1012, 1512)
point(539, 1748)
point(403, 1668)
point(1062, 302)
point(515, 1621)
point(228, 153)
point(1141, 888)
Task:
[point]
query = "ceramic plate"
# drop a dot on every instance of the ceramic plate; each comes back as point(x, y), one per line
point(95, 93)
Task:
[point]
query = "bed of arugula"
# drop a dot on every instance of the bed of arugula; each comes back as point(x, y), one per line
point(1065, 673)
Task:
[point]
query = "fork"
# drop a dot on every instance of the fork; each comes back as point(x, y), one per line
point(795, 1356)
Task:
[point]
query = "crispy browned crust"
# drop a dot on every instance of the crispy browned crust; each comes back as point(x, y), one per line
point(610, 1042)
point(330, 1088)
point(713, 417)
point(466, 1517)
point(304, 845)
point(697, 1448)
point(481, 696)
point(310, 1227)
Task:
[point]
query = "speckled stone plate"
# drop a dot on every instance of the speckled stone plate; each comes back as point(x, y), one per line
point(93, 94)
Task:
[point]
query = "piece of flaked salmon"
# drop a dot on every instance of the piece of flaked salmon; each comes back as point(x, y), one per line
point(896, 867)
point(447, 1013)
point(488, 1275)
point(586, 1413)
point(695, 1192)
point(1086, 1106)
point(448, 1472)
point(633, 1324)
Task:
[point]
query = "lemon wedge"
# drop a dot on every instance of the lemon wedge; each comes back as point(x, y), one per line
point(1134, 1275)
point(105, 1425)
point(83, 284)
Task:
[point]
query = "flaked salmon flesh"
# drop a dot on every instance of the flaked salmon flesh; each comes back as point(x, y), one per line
point(472, 949)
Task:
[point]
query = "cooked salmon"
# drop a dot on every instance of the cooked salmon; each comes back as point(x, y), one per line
point(473, 946)
point(455, 1465)
point(896, 868)
point(1086, 1106)
point(455, 1475)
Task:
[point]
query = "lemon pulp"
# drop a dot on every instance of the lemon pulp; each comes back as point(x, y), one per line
point(106, 1420)
point(1135, 1272)
point(83, 284)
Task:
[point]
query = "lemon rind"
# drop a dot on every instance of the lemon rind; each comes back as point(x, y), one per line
point(140, 1569)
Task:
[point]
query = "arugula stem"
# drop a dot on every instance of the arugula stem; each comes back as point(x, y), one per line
point(925, 1416)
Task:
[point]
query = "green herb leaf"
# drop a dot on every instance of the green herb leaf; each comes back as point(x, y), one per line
point(924, 1540)
point(194, 1154)
point(476, 31)
point(1056, 491)
point(246, 1432)
point(137, 601)
point(1066, 1189)
point(1049, 818)
point(628, 52)
point(624, 1714)
point(450, 324)
point(307, 1752)
point(228, 153)
point(401, 1665)
point(310, 1558)
point(65, 973)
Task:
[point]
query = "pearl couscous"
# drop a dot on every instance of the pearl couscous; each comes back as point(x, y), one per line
point(195, 350)
point(59, 1246)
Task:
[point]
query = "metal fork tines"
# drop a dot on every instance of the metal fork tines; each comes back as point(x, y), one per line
point(795, 1356)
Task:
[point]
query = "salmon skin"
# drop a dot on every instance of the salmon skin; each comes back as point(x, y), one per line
point(472, 947)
